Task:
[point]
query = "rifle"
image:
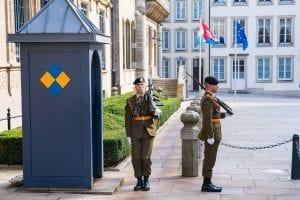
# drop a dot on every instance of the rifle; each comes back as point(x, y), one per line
point(220, 102)
point(154, 99)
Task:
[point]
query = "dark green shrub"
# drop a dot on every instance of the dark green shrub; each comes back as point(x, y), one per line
point(11, 147)
point(115, 145)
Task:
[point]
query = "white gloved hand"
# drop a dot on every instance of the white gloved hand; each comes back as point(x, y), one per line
point(211, 141)
point(157, 112)
point(129, 140)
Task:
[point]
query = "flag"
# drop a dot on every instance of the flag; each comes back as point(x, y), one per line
point(207, 35)
point(241, 36)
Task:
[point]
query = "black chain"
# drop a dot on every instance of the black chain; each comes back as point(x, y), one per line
point(257, 148)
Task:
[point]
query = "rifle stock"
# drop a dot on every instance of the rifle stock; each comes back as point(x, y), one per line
point(220, 102)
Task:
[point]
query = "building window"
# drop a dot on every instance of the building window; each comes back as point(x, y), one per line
point(102, 57)
point(219, 30)
point(84, 8)
point(218, 70)
point(219, 2)
point(286, 2)
point(285, 31)
point(264, 32)
point(197, 9)
point(128, 45)
point(263, 2)
point(196, 39)
point(133, 44)
point(285, 68)
point(180, 10)
point(165, 68)
point(179, 62)
point(19, 21)
point(239, 1)
point(180, 40)
point(243, 24)
point(263, 69)
point(165, 40)
point(102, 21)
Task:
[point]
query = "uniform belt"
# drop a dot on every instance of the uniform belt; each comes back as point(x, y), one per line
point(142, 118)
point(215, 120)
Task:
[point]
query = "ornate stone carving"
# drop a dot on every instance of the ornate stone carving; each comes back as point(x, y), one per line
point(156, 11)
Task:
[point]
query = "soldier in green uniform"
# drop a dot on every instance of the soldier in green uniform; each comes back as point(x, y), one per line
point(210, 132)
point(140, 130)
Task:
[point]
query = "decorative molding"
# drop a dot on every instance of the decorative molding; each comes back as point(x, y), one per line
point(105, 3)
point(156, 11)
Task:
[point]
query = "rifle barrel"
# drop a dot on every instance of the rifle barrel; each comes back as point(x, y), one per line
point(227, 108)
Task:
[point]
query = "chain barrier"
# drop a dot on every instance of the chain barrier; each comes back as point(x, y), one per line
point(257, 148)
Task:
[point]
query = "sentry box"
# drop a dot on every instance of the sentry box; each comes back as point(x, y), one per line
point(61, 98)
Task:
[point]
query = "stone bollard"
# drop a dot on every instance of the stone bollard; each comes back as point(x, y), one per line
point(114, 91)
point(190, 143)
point(195, 107)
point(295, 158)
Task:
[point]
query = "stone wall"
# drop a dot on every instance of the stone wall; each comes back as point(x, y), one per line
point(168, 85)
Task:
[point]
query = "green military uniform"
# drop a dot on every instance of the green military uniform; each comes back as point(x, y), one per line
point(211, 128)
point(141, 128)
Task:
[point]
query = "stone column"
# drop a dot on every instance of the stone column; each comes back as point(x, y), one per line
point(195, 107)
point(141, 38)
point(190, 144)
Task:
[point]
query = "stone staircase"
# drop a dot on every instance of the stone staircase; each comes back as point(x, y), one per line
point(168, 85)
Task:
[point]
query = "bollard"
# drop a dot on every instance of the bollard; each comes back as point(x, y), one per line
point(190, 144)
point(8, 119)
point(195, 107)
point(295, 158)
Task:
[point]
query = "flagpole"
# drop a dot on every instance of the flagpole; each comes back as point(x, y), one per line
point(235, 56)
point(200, 51)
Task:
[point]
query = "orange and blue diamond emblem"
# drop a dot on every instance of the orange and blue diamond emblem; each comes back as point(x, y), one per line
point(55, 79)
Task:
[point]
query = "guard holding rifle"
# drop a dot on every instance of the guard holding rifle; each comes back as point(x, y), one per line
point(140, 112)
point(210, 132)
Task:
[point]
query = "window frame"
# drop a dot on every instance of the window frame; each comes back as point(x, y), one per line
point(264, 59)
point(164, 42)
point(183, 41)
point(285, 43)
point(219, 66)
point(182, 16)
point(264, 34)
point(218, 25)
point(284, 79)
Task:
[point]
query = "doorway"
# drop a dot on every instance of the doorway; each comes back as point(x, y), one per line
point(238, 74)
point(97, 136)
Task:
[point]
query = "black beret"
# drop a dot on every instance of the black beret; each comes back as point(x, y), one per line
point(211, 80)
point(139, 80)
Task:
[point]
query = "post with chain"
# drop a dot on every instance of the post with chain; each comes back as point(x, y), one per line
point(8, 119)
point(295, 158)
point(189, 137)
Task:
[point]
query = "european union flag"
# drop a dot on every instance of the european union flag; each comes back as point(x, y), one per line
point(241, 36)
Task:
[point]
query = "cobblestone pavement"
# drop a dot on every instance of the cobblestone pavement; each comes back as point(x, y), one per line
point(263, 174)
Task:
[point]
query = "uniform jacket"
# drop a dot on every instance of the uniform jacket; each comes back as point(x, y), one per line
point(134, 108)
point(210, 109)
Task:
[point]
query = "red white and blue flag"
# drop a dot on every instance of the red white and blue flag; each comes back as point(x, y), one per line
point(206, 35)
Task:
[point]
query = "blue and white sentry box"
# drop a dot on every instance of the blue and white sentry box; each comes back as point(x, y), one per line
point(61, 98)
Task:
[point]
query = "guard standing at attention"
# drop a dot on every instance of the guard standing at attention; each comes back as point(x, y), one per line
point(140, 130)
point(210, 132)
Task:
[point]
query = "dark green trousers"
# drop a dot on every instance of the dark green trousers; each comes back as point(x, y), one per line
point(141, 149)
point(210, 155)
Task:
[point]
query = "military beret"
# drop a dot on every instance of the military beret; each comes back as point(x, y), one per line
point(139, 80)
point(211, 80)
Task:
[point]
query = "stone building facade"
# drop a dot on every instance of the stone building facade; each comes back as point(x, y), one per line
point(133, 25)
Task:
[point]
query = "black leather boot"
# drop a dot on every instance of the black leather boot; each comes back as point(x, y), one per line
point(208, 186)
point(146, 183)
point(139, 184)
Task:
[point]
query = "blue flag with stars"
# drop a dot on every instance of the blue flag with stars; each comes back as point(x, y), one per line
point(241, 36)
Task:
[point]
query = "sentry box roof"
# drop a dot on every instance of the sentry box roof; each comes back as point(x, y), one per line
point(59, 21)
